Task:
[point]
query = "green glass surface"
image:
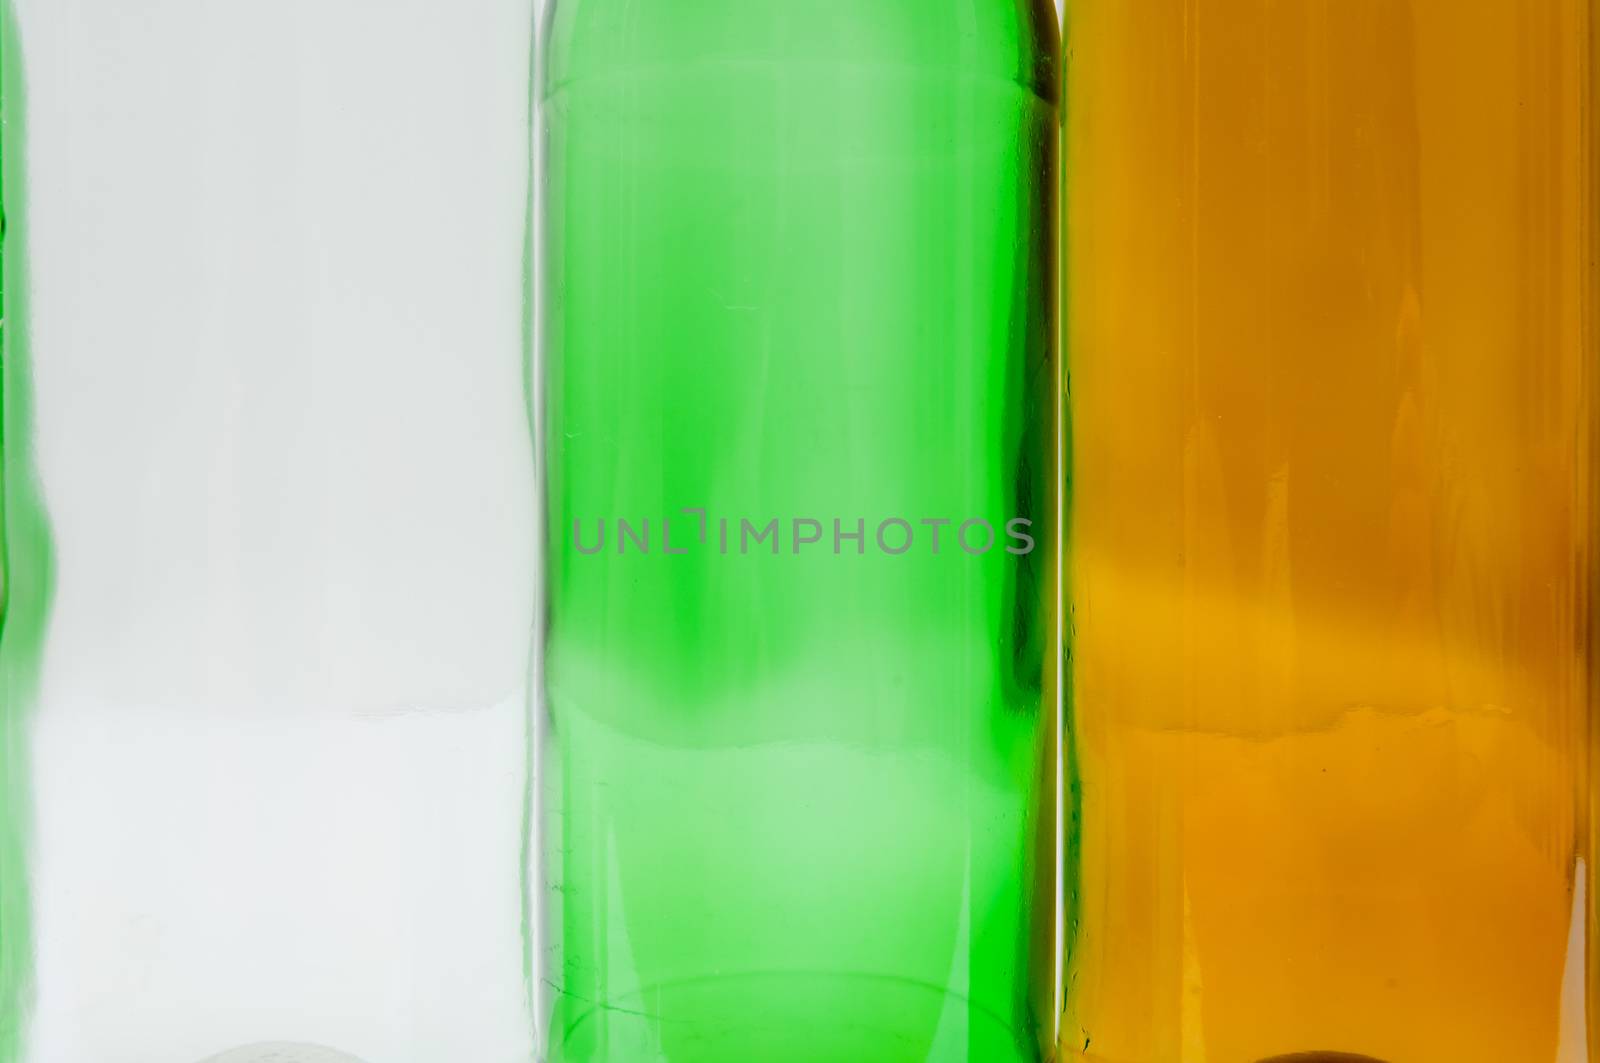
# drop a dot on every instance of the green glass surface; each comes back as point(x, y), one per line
point(798, 264)
point(27, 567)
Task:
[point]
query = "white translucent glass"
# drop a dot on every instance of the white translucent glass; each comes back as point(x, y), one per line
point(276, 318)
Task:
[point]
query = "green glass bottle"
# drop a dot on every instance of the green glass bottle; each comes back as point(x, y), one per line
point(797, 390)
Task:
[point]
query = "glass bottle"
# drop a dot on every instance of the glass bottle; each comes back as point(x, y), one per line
point(269, 532)
point(798, 389)
point(1331, 350)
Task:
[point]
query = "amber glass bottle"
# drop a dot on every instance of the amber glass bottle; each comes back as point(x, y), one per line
point(1330, 312)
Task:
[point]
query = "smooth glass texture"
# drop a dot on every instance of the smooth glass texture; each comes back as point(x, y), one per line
point(269, 532)
point(1332, 359)
point(798, 798)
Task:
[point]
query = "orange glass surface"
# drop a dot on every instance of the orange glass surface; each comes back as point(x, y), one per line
point(1331, 353)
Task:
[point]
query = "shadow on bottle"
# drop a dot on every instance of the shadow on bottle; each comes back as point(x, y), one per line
point(1321, 1057)
point(282, 1052)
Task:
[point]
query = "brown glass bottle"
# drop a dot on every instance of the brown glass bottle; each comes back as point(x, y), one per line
point(1330, 308)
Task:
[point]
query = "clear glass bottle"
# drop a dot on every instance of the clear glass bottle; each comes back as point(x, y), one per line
point(798, 390)
point(269, 532)
point(1331, 302)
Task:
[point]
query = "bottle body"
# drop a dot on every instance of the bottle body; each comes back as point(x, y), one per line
point(269, 533)
point(1330, 297)
point(798, 392)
